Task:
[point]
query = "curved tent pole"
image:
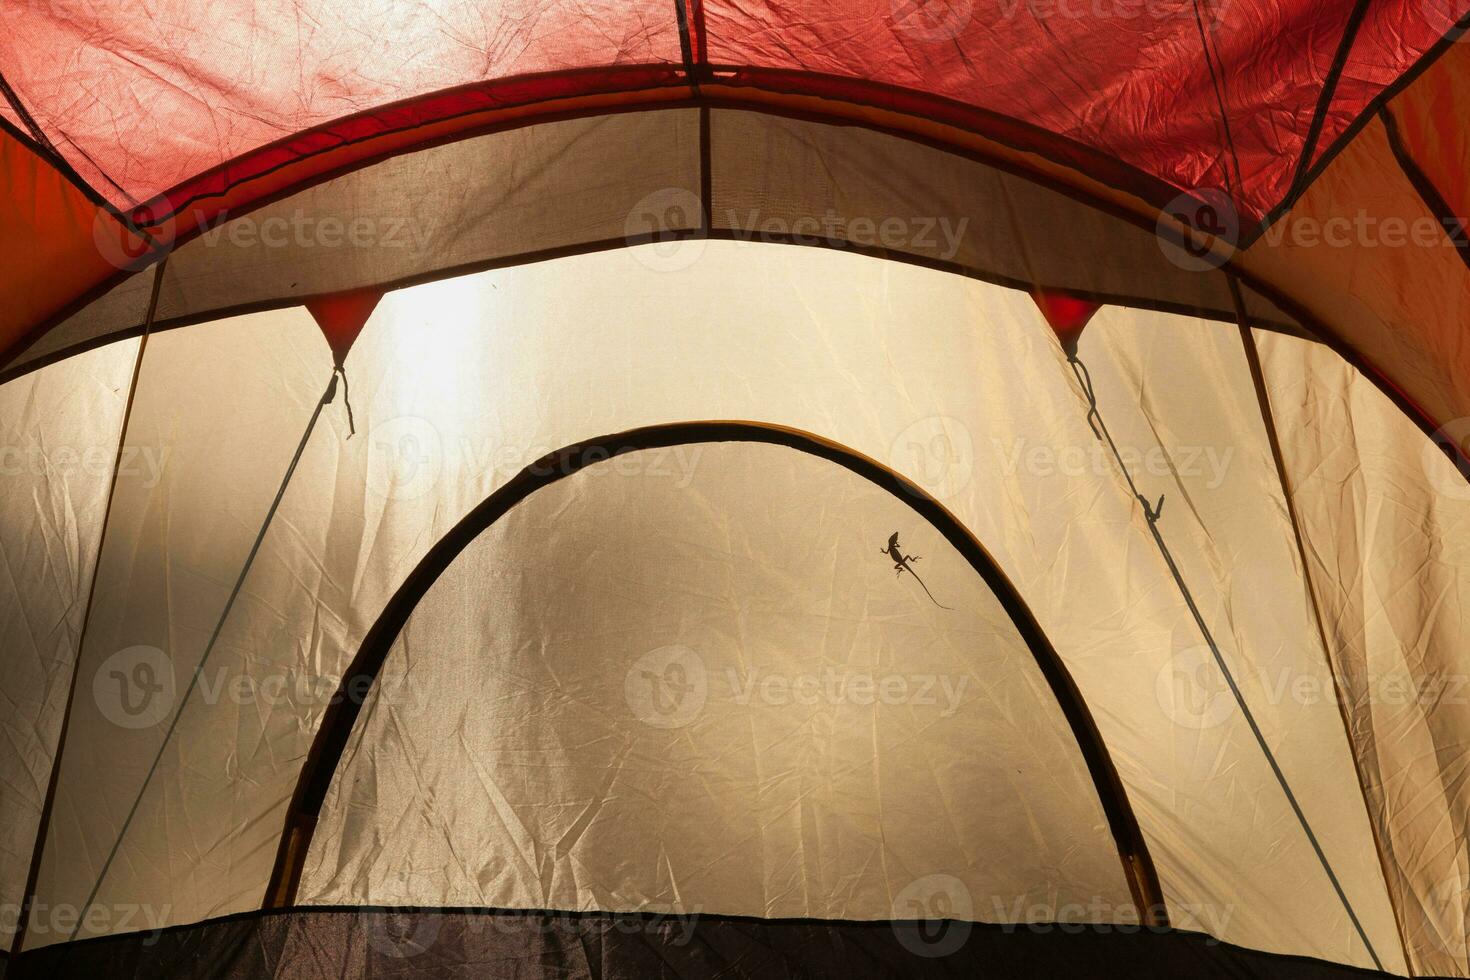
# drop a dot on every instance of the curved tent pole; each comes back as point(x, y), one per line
point(331, 739)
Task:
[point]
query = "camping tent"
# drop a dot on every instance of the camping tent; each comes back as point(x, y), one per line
point(706, 488)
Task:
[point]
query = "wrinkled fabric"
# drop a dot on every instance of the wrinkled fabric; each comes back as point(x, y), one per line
point(174, 90)
point(689, 679)
point(58, 445)
point(457, 385)
point(1386, 519)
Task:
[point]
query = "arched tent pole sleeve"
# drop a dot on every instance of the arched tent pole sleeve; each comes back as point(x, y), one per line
point(357, 682)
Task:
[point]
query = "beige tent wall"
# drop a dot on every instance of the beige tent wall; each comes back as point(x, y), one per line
point(456, 385)
point(1178, 398)
point(602, 182)
point(689, 680)
point(478, 200)
point(222, 406)
point(1387, 520)
point(59, 432)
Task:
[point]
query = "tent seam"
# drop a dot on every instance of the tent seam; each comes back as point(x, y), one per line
point(43, 824)
point(1263, 401)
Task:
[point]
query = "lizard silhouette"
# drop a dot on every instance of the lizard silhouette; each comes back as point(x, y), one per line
point(905, 563)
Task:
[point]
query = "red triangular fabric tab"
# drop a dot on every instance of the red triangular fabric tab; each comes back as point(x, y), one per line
point(341, 317)
point(1066, 314)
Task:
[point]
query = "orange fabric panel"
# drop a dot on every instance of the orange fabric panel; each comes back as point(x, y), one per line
point(1366, 257)
point(55, 244)
point(1431, 115)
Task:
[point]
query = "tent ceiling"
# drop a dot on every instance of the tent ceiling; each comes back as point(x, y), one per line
point(196, 114)
point(174, 90)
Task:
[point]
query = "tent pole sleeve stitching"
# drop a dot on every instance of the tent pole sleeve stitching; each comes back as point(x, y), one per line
point(706, 172)
point(50, 151)
point(1152, 513)
point(357, 681)
point(1218, 84)
point(33, 874)
point(1268, 418)
point(686, 50)
point(1454, 225)
point(1351, 132)
point(184, 699)
point(1329, 91)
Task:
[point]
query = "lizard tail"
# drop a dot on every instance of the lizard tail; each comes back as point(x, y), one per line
point(927, 592)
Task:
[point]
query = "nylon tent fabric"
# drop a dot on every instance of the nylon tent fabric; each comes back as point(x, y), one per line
point(621, 265)
point(1377, 49)
point(405, 405)
point(170, 99)
point(704, 763)
point(63, 430)
point(421, 403)
point(299, 76)
point(1389, 624)
point(587, 185)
